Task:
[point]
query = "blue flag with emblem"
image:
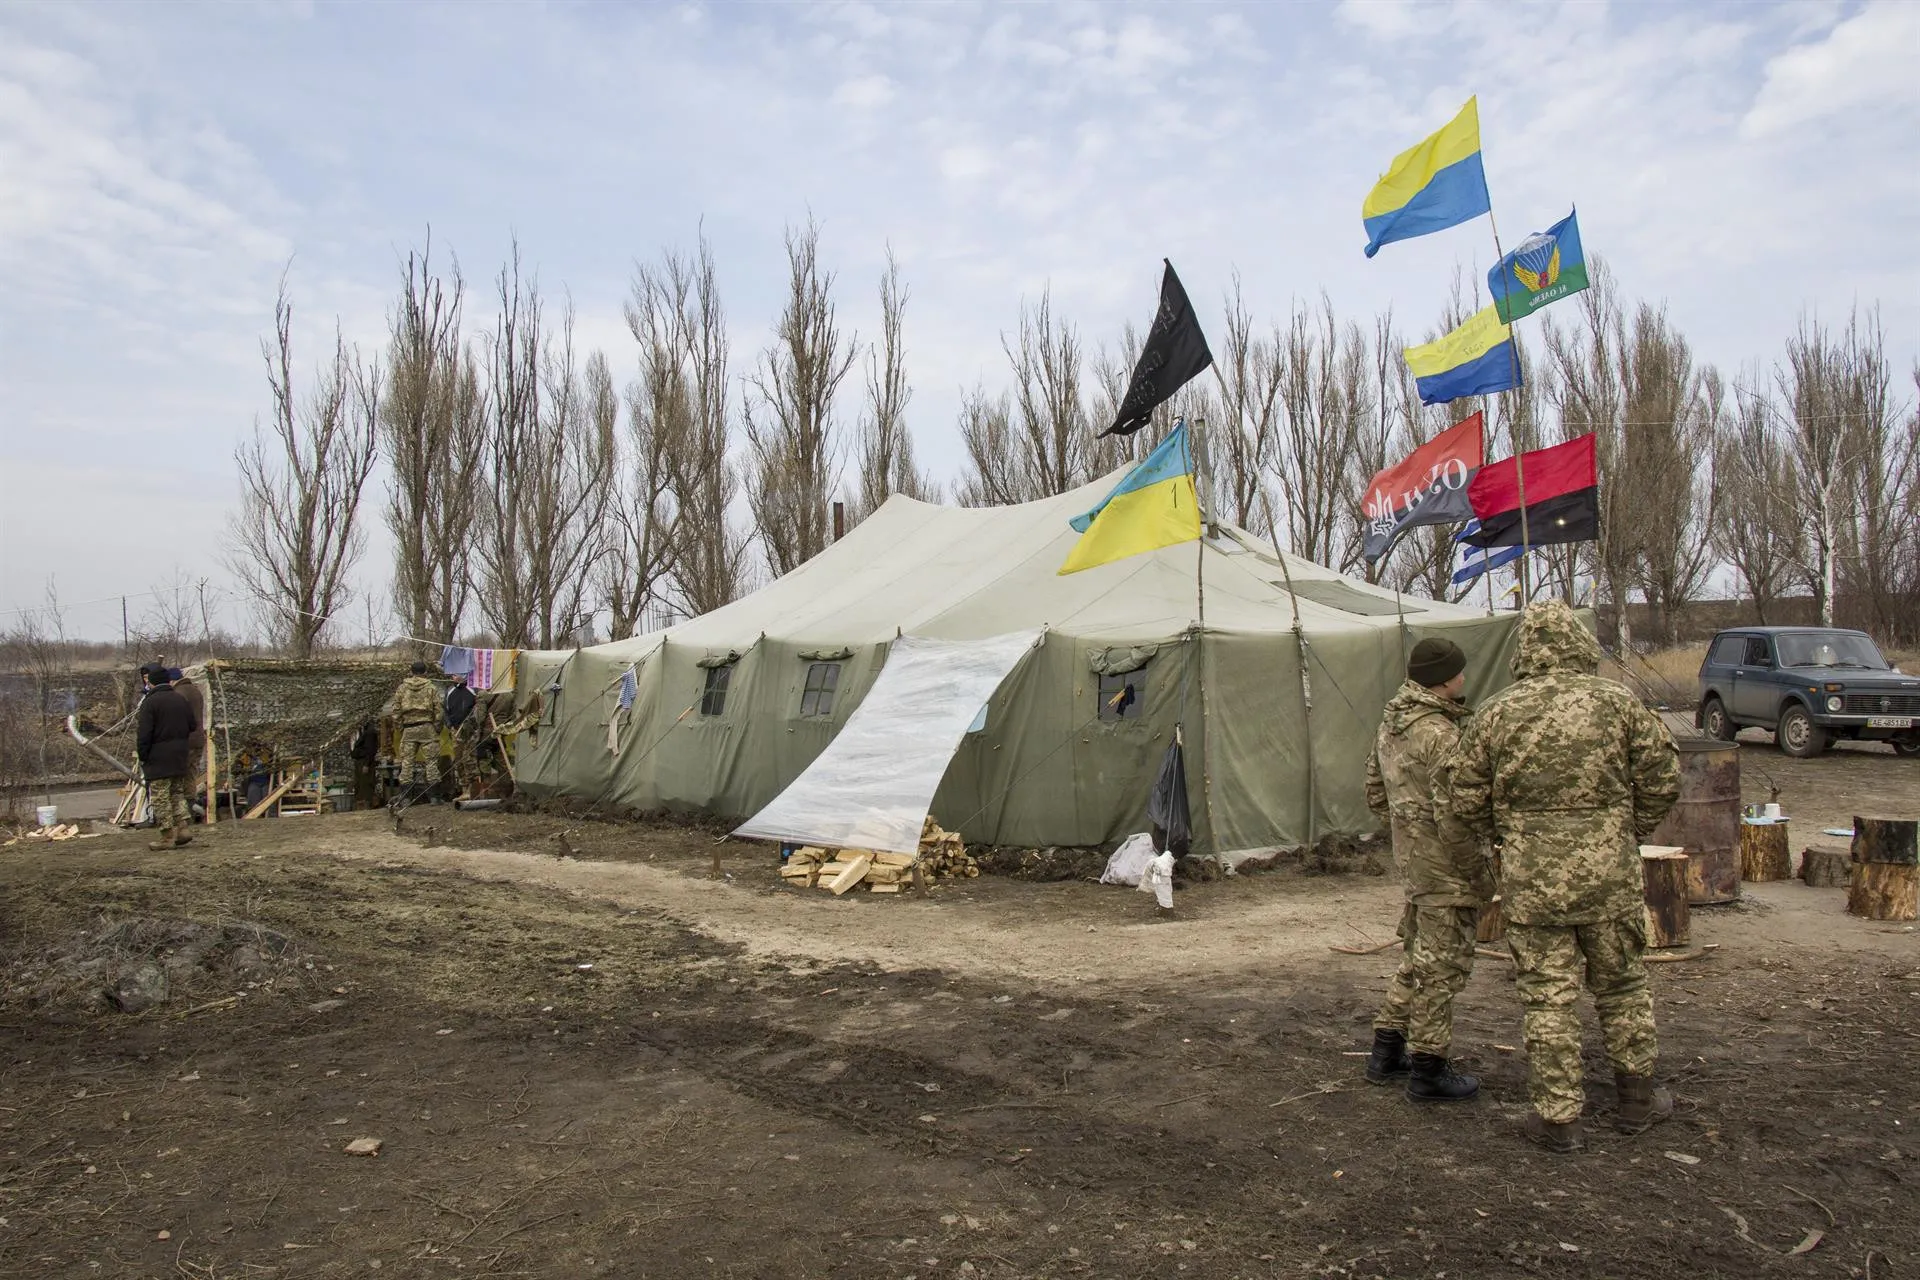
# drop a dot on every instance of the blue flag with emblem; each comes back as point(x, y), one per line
point(1475, 561)
point(1548, 266)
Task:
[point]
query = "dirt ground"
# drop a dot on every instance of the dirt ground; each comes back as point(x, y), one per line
point(612, 1064)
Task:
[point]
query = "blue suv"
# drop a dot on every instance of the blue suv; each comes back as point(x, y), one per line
point(1809, 685)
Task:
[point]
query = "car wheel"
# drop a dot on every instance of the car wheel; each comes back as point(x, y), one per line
point(1798, 735)
point(1714, 722)
point(1906, 746)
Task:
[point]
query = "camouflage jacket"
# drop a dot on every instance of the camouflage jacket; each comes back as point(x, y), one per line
point(1567, 772)
point(415, 702)
point(1416, 735)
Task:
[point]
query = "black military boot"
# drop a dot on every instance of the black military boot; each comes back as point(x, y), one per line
point(1435, 1080)
point(1389, 1057)
point(1559, 1137)
point(1643, 1103)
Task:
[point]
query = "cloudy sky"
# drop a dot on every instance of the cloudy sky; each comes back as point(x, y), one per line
point(162, 165)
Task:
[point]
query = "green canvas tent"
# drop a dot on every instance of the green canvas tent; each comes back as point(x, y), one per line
point(1279, 695)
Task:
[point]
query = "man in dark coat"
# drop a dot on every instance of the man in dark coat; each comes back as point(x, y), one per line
point(166, 726)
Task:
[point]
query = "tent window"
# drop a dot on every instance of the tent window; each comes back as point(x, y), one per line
point(1123, 697)
point(713, 698)
point(822, 679)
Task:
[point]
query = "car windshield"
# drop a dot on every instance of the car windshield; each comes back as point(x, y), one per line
point(1829, 649)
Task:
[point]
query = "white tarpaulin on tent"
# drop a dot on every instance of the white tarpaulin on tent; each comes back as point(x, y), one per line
point(872, 786)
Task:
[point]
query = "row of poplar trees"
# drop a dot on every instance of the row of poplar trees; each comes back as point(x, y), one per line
point(527, 487)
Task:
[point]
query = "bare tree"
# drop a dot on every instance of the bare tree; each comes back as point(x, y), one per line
point(1050, 419)
point(547, 472)
point(171, 621)
point(431, 426)
point(886, 446)
point(796, 456)
point(1669, 410)
point(296, 534)
point(1249, 376)
point(1880, 542)
point(1325, 397)
point(683, 405)
point(1756, 528)
point(660, 426)
point(994, 476)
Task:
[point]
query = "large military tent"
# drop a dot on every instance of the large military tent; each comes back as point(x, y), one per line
point(1279, 693)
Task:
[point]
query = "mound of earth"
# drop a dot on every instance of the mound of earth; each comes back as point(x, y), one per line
point(132, 965)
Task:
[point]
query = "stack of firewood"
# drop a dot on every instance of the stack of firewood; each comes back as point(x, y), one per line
point(942, 854)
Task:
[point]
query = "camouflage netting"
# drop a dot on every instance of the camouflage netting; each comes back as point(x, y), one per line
point(294, 708)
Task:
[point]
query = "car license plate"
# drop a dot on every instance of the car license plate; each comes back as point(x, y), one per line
point(1889, 722)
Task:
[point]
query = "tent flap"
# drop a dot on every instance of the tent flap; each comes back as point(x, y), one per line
point(872, 786)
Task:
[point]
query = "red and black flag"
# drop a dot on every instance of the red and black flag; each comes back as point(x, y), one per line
point(1563, 497)
point(1175, 350)
point(1428, 486)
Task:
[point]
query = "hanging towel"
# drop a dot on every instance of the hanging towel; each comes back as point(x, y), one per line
point(456, 661)
point(482, 678)
point(629, 688)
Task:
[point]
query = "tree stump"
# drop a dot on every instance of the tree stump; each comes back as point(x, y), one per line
point(1763, 851)
point(1825, 869)
point(1886, 869)
point(1669, 915)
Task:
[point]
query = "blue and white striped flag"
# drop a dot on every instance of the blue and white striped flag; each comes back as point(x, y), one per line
point(1475, 561)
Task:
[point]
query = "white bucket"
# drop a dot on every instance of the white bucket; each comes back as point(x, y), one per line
point(46, 815)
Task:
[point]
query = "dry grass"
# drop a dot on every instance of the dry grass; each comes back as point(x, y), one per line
point(1669, 677)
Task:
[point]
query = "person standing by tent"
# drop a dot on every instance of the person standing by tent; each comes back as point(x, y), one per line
point(458, 709)
point(1569, 772)
point(165, 726)
point(1446, 880)
point(416, 706)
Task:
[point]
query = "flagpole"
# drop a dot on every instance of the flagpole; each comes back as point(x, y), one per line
point(1200, 636)
point(1513, 352)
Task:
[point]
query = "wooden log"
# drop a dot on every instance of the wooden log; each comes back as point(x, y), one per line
point(1663, 872)
point(1886, 869)
point(1763, 851)
point(855, 871)
point(1825, 868)
point(1883, 891)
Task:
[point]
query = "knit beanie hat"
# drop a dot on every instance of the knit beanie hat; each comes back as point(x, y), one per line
point(1434, 662)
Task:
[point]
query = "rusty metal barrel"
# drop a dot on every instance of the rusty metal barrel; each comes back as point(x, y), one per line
point(1706, 821)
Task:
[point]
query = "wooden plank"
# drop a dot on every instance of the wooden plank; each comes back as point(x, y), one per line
point(855, 871)
point(884, 888)
point(267, 801)
point(894, 859)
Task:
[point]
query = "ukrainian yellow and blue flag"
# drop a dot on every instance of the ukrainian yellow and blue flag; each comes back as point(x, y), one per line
point(1477, 359)
point(1435, 184)
point(1153, 506)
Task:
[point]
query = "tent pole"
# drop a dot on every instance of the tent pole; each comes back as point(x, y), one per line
point(1306, 685)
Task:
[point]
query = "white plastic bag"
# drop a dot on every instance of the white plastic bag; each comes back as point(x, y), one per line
point(1129, 861)
point(1158, 880)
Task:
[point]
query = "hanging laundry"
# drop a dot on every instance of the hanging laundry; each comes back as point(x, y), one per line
point(482, 678)
point(629, 688)
point(456, 661)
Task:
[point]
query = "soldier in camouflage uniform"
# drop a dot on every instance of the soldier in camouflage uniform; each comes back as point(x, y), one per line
point(1568, 772)
point(416, 706)
point(1446, 881)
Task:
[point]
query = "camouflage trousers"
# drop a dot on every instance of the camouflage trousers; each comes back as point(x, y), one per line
point(1548, 962)
point(1436, 959)
point(466, 763)
point(419, 755)
point(170, 798)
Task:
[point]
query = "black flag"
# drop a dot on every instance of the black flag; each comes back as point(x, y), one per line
point(1167, 804)
point(1175, 350)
